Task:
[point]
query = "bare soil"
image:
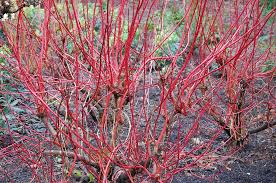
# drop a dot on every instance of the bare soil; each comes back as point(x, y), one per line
point(256, 162)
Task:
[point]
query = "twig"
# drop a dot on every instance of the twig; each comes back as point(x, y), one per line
point(263, 127)
point(70, 154)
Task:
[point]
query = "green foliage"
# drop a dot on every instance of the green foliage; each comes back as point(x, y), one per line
point(2, 36)
point(4, 51)
point(8, 103)
point(171, 17)
point(91, 178)
point(176, 15)
point(32, 12)
point(9, 106)
point(79, 174)
point(264, 42)
point(150, 25)
point(34, 15)
point(269, 4)
point(268, 66)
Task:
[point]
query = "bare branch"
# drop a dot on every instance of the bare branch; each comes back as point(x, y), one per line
point(263, 127)
point(70, 154)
